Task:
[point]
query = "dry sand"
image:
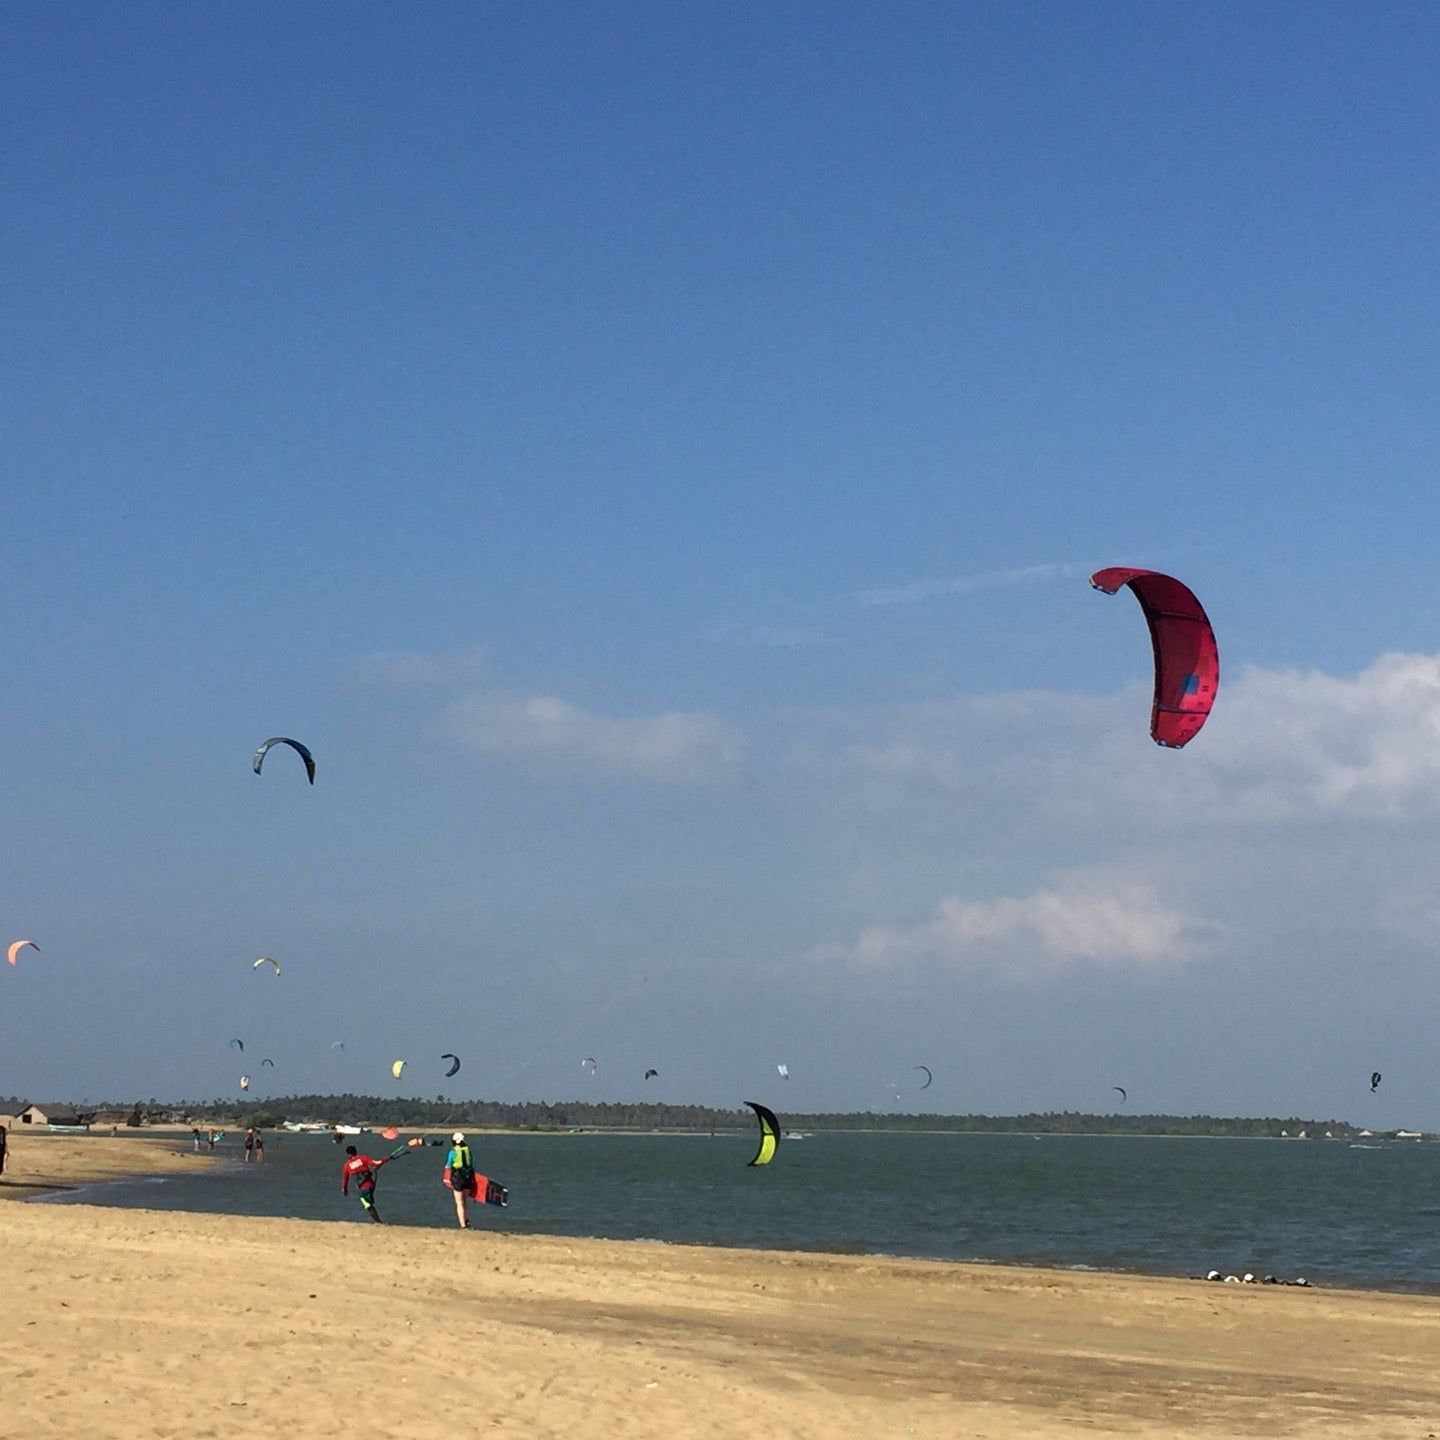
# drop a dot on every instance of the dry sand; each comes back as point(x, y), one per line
point(138, 1323)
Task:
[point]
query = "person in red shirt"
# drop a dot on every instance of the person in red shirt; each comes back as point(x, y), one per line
point(361, 1169)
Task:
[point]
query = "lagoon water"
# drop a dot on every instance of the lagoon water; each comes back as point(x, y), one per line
point(1337, 1213)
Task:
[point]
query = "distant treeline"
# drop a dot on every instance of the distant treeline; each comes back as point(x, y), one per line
point(581, 1114)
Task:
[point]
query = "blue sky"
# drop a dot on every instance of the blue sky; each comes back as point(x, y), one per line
point(653, 456)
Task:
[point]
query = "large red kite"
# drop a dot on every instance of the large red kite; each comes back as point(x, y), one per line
point(1187, 660)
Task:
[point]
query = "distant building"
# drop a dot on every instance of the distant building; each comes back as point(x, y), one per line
point(34, 1116)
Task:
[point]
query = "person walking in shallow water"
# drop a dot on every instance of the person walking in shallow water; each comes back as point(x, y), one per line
point(259, 1147)
point(459, 1175)
point(361, 1169)
point(249, 1146)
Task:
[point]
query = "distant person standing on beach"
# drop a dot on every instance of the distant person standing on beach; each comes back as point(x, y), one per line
point(249, 1146)
point(195, 1136)
point(459, 1175)
point(4, 1145)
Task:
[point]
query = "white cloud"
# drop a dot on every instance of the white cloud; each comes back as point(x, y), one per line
point(552, 737)
point(1281, 747)
point(1293, 741)
point(1301, 817)
point(1088, 917)
point(968, 584)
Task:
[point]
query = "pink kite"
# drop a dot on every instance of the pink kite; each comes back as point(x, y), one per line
point(391, 1132)
point(18, 946)
point(1187, 659)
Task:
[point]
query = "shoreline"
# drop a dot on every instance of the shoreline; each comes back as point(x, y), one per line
point(46, 1163)
point(160, 1158)
point(64, 1196)
point(231, 1124)
point(543, 1335)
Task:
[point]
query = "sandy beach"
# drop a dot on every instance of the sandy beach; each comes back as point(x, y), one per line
point(41, 1161)
point(138, 1323)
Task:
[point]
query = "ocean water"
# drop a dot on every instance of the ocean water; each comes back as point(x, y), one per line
point(1336, 1213)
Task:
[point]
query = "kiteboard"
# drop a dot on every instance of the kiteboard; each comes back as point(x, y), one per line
point(489, 1192)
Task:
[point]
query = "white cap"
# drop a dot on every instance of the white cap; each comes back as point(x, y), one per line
point(458, 1137)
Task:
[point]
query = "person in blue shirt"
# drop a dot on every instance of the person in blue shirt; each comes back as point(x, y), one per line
point(459, 1176)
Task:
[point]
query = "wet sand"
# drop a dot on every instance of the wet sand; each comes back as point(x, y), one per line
point(172, 1325)
point(38, 1161)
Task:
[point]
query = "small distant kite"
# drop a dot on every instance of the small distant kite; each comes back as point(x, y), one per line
point(337, 1044)
point(244, 1082)
point(769, 1133)
point(13, 953)
point(1187, 659)
point(454, 1066)
point(1120, 1090)
point(1374, 1082)
point(784, 1071)
point(270, 1063)
point(398, 1069)
point(295, 745)
point(267, 960)
point(929, 1078)
point(237, 1044)
point(590, 1061)
point(649, 1074)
